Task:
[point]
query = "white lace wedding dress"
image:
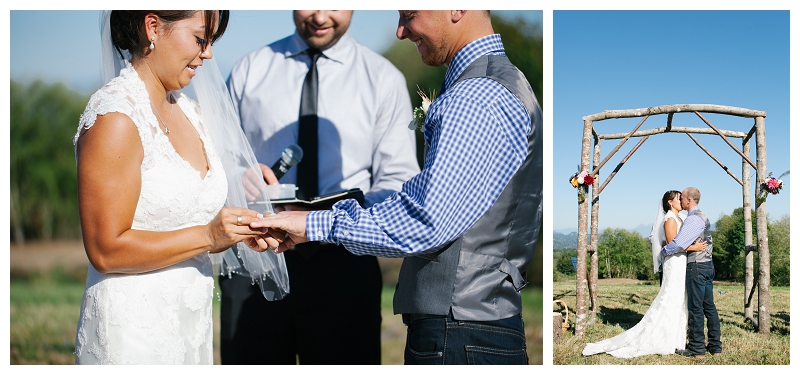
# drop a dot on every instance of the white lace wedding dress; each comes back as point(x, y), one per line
point(663, 327)
point(163, 316)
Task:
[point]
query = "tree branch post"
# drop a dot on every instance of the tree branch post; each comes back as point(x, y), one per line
point(761, 228)
point(748, 235)
point(593, 288)
point(583, 227)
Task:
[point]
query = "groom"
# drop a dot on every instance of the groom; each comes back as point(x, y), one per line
point(467, 224)
point(699, 277)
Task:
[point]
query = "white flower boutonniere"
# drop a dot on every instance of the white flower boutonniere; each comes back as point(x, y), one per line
point(421, 112)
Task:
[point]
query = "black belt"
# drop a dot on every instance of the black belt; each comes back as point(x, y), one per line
point(409, 318)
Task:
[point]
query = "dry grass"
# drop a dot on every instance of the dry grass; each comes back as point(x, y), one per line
point(622, 305)
point(44, 311)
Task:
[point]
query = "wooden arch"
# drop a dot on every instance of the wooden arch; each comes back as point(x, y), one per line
point(586, 289)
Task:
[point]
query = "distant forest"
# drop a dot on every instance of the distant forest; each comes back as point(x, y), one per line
point(627, 254)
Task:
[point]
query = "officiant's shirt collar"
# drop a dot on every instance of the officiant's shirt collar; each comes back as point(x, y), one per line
point(337, 52)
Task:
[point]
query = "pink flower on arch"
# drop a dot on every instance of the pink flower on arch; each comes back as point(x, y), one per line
point(772, 183)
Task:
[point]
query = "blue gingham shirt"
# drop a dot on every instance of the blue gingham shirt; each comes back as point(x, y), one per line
point(693, 227)
point(477, 136)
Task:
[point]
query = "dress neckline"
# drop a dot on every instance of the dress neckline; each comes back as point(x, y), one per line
point(181, 100)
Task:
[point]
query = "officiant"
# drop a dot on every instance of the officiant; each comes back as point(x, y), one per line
point(348, 108)
point(467, 224)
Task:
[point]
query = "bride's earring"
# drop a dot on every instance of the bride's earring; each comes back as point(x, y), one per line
point(152, 39)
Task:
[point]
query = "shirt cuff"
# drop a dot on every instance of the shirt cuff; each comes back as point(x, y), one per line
point(667, 250)
point(318, 225)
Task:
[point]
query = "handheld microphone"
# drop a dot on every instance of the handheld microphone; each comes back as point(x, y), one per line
point(291, 155)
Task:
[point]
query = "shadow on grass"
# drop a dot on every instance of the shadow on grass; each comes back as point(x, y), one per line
point(780, 323)
point(625, 318)
point(565, 294)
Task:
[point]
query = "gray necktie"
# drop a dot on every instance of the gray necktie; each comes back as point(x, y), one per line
point(307, 170)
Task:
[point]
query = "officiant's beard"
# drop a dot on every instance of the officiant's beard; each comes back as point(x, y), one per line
point(336, 23)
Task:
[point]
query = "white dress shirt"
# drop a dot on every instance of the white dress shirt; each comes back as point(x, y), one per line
point(363, 109)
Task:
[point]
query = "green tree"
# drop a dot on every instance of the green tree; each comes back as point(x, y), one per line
point(728, 250)
point(562, 261)
point(624, 254)
point(729, 244)
point(43, 185)
point(779, 251)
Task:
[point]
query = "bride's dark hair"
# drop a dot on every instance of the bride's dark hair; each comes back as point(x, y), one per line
point(668, 196)
point(127, 27)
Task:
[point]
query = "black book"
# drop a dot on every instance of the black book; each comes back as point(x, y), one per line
point(324, 200)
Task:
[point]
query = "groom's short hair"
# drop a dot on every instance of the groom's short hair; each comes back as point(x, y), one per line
point(693, 194)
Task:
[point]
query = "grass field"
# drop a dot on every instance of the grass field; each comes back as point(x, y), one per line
point(44, 310)
point(621, 306)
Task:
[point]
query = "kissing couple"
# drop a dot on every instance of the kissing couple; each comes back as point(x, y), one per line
point(682, 252)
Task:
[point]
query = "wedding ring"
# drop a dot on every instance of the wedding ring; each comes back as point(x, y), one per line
point(238, 220)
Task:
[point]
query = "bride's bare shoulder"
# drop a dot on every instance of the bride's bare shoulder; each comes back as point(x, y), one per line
point(113, 133)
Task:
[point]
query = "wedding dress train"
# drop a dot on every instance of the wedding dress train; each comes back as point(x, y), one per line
point(663, 327)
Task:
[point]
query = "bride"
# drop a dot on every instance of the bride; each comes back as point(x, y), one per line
point(662, 330)
point(151, 189)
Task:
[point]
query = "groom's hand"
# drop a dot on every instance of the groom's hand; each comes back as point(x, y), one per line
point(698, 245)
point(293, 223)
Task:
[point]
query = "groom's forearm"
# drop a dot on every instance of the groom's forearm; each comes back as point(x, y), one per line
point(692, 229)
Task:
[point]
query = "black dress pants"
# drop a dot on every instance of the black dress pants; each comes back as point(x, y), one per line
point(330, 316)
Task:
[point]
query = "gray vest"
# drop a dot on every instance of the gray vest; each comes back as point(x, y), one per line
point(705, 255)
point(478, 276)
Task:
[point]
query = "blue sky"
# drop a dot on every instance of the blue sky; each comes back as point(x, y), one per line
point(604, 60)
point(41, 47)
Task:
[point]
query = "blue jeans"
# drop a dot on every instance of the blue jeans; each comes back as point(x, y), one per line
point(446, 341)
point(700, 302)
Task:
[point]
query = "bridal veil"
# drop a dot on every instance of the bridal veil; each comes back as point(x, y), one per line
point(657, 237)
point(222, 122)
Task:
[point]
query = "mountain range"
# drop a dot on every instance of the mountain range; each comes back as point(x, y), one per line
point(567, 238)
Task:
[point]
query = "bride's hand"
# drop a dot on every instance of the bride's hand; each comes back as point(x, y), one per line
point(699, 245)
point(290, 226)
point(266, 241)
point(232, 225)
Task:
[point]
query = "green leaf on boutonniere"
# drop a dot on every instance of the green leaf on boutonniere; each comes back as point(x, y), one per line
point(421, 112)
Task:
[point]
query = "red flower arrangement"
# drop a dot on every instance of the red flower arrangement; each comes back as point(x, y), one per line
point(581, 181)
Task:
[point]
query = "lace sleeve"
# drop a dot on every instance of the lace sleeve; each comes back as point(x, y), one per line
point(670, 214)
point(105, 100)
